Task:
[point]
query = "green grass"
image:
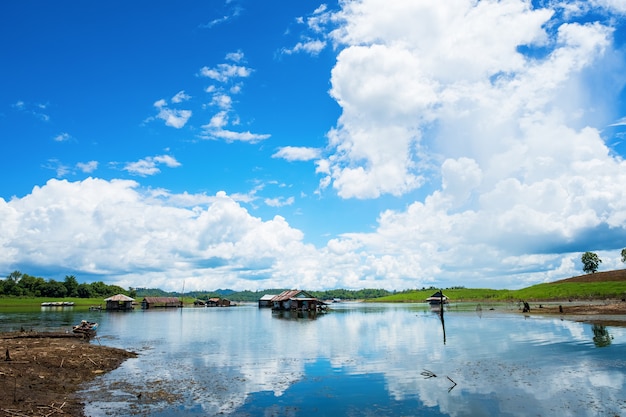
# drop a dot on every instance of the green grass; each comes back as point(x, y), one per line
point(540, 292)
point(9, 302)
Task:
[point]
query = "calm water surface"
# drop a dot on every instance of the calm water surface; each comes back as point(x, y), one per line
point(357, 360)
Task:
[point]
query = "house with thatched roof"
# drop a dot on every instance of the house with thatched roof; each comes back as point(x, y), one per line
point(119, 302)
point(437, 299)
point(161, 302)
point(217, 302)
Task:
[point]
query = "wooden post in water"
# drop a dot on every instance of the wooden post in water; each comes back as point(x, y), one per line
point(443, 324)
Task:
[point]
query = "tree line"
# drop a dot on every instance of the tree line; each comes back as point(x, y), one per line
point(17, 284)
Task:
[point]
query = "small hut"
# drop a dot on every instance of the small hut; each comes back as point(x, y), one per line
point(266, 300)
point(437, 299)
point(218, 302)
point(296, 300)
point(161, 302)
point(119, 302)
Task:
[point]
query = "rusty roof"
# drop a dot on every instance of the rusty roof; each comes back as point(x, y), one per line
point(289, 294)
point(161, 299)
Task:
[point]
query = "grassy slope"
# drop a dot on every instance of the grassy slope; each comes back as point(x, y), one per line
point(601, 285)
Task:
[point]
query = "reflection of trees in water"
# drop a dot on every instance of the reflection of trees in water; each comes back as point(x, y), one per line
point(601, 336)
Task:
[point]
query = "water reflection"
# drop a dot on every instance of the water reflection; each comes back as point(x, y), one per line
point(359, 360)
point(601, 336)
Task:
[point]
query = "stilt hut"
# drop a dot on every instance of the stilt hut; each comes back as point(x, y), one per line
point(437, 298)
point(296, 300)
point(218, 302)
point(119, 302)
point(161, 302)
point(266, 300)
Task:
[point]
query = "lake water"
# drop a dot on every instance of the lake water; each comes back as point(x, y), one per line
point(356, 360)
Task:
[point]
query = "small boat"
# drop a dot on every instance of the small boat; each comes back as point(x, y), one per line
point(86, 327)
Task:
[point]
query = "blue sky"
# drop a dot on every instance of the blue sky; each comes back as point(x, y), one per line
point(253, 145)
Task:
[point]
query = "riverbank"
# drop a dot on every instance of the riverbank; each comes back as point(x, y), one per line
point(607, 312)
point(41, 372)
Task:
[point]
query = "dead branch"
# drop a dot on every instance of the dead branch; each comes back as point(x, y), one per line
point(428, 374)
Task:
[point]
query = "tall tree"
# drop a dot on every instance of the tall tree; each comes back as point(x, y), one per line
point(71, 284)
point(591, 262)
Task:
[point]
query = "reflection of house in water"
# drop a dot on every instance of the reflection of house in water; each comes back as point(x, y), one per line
point(119, 302)
point(297, 300)
point(161, 302)
point(297, 315)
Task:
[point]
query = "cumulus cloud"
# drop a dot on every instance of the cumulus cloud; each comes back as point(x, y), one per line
point(491, 104)
point(123, 233)
point(481, 120)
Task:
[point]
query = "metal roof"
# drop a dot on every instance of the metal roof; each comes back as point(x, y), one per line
point(289, 294)
point(119, 297)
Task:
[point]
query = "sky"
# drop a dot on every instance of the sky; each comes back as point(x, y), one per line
point(249, 145)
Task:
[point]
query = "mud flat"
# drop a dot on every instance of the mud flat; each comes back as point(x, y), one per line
point(41, 372)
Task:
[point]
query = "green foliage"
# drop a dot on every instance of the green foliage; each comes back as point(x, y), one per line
point(71, 285)
point(17, 284)
point(591, 262)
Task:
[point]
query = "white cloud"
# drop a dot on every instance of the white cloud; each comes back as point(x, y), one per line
point(174, 118)
point(215, 129)
point(149, 165)
point(297, 153)
point(180, 97)
point(62, 137)
point(87, 167)
point(310, 46)
point(279, 201)
point(117, 229)
point(60, 168)
point(508, 142)
point(225, 72)
point(482, 119)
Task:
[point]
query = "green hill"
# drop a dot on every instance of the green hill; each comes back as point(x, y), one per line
point(599, 285)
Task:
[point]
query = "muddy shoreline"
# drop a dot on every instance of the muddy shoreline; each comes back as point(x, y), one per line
point(607, 313)
point(41, 372)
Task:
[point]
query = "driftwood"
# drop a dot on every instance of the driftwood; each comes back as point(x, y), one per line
point(430, 374)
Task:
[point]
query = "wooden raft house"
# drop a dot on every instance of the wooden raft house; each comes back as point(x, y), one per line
point(119, 302)
point(266, 301)
point(297, 300)
point(161, 302)
point(218, 302)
